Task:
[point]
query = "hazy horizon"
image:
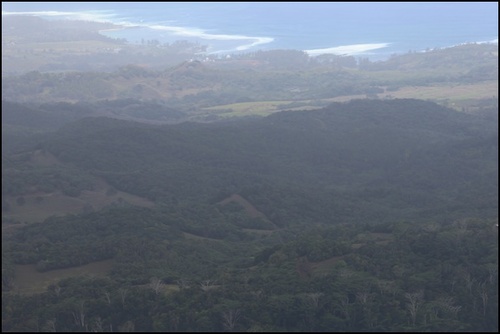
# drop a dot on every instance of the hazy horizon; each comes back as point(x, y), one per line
point(374, 30)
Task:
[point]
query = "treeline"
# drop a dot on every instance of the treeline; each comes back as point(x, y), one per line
point(266, 75)
point(425, 277)
point(51, 116)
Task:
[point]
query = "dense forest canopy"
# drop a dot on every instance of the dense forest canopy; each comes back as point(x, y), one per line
point(260, 211)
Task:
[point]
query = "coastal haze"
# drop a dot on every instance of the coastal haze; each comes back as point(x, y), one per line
point(374, 30)
point(249, 167)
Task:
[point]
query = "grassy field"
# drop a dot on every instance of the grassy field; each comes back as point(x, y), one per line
point(261, 108)
point(39, 206)
point(29, 281)
point(327, 266)
point(197, 237)
point(453, 96)
point(249, 208)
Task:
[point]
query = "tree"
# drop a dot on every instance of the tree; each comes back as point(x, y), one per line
point(156, 284)
point(207, 285)
point(364, 298)
point(447, 305)
point(483, 293)
point(97, 325)
point(387, 287)
point(79, 315)
point(230, 318)
point(313, 298)
point(108, 297)
point(50, 326)
point(123, 294)
point(312, 301)
point(414, 304)
point(345, 307)
point(128, 326)
point(183, 283)
point(57, 290)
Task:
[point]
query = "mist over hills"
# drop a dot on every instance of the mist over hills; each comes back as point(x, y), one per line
point(235, 27)
point(350, 193)
point(408, 145)
point(147, 189)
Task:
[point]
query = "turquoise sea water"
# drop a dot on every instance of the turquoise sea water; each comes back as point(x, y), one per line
point(367, 29)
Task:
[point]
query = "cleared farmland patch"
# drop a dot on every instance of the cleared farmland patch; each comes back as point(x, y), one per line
point(29, 281)
point(39, 206)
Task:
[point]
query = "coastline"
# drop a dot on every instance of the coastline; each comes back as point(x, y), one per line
point(232, 40)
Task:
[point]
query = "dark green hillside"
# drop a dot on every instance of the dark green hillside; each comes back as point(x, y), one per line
point(175, 192)
point(38, 118)
point(370, 215)
point(21, 121)
point(50, 116)
point(398, 159)
point(401, 148)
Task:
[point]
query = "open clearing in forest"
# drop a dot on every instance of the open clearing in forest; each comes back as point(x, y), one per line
point(306, 268)
point(38, 205)
point(378, 238)
point(29, 281)
point(259, 232)
point(325, 265)
point(248, 207)
point(198, 237)
point(259, 108)
point(488, 89)
point(450, 95)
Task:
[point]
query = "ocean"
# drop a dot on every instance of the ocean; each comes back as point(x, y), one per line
point(374, 30)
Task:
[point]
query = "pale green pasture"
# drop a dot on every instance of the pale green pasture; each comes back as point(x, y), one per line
point(29, 281)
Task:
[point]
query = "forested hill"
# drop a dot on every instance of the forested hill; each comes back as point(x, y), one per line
point(420, 155)
point(370, 215)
